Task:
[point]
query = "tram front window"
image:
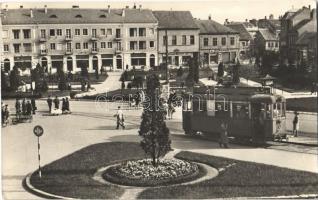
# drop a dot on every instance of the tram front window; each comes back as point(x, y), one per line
point(222, 109)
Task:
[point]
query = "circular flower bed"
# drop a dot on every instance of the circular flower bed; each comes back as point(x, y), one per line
point(143, 173)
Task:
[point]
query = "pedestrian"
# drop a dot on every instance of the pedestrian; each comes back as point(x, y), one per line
point(120, 118)
point(18, 108)
point(296, 124)
point(137, 99)
point(56, 103)
point(34, 108)
point(171, 110)
point(23, 107)
point(49, 103)
point(67, 104)
point(29, 108)
point(223, 141)
point(63, 105)
point(313, 88)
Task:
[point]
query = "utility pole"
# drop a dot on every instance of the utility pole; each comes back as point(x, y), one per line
point(167, 72)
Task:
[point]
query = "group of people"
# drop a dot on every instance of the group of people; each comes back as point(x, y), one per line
point(4, 114)
point(25, 107)
point(56, 102)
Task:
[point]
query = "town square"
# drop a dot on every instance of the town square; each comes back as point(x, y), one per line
point(145, 100)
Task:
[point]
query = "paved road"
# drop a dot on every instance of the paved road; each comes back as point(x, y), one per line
point(93, 123)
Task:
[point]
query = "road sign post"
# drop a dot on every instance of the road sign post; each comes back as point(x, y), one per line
point(38, 131)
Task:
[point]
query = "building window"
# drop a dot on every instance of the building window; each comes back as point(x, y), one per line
point(103, 45)
point(133, 45)
point(78, 46)
point(184, 40)
point(43, 33)
point(52, 32)
point(138, 59)
point(109, 45)
point(16, 48)
point(151, 44)
point(6, 48)
point(94, 32)
point(27, 47)
point(85, 31)
point(77, 32)
point(243, 44)
point(223, 41)
point(52, 46)
point(142, 32)
point(164, 38)
point(109, 31)
point(142, 44)
point(59, 32)
point(133, 32)
point(68, 33)
point(215, 42)
point(206, 42)
point(85, 45)
point(174, 40)
point(102, 31)
point(192, 39)
point(27, 33)
point(232, 40)
point(16, 34)
point(68, 47)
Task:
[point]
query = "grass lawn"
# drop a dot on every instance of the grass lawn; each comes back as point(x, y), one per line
point(302, 104)
point(71, 176)
point(244, 179)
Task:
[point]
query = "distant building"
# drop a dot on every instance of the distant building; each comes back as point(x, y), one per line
point(307, 50)
point(70, 39)
point(266, 41)
point(182, 34)
point(218, 43)
point(273, 25)
point(293, 24)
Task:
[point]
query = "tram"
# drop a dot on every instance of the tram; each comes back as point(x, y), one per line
point(252, 113)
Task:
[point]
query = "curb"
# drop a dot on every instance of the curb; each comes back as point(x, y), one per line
point(306, 113)
point(41, 193)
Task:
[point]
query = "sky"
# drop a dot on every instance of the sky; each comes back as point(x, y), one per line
point(234, 10)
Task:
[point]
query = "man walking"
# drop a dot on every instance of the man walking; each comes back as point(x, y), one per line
point(49, 103)
point(33, 105)
point(296, 124)
point(56, 103)
point(120, 118)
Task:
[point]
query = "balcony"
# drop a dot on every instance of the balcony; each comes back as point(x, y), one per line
point(94, 38)
point(118, 50)
point(118, 36)
point(68, 38)
point(94, 50)
point(43, 39)
point(68, 51)
point(43, 52)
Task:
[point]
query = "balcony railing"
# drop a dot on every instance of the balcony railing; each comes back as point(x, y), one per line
point(43, 39)
point(94, 50)
point(118, 36)
point(119, 50)
point(68, 37)
point(94, 38)
point(68, 51)
point(43, 52)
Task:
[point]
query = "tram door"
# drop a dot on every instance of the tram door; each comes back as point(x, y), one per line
point(258, 120)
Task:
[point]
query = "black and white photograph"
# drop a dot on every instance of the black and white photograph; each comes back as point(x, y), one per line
point(149, 99)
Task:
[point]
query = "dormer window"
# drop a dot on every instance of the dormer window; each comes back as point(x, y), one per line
point(78, 16)
point(53, 16)
point(102, 16)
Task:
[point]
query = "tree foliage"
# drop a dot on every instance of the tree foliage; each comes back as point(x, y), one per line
point(15, 78)
point(220, 69)
point(153, 129)
point(236, 73)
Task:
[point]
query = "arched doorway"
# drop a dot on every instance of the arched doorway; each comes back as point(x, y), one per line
point(6, 65)
point(44, 64)
point(95, 63)
point(152, 60)
point(119, 62)
point(69, 64)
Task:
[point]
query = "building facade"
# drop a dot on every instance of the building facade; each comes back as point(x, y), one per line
point(218, 43)
point(178, 36)
point(266, 41)
point(307, 51)
point(70, 39)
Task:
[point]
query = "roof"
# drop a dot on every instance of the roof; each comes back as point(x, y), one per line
point(307, 38)
point(244, 35)
point(300, 24)
point(267, 35)
point(275, 22)
point(68, 16)
point(175, 20)
point(213, 27)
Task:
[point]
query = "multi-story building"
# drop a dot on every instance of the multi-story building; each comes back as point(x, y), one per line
point(70, 39)
point(273, 25)
point(293, 24)
point(266, 41)
point(218, 43)
point(178, 35)
point(307, 51)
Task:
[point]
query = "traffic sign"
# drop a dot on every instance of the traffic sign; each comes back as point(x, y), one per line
point(38, 131)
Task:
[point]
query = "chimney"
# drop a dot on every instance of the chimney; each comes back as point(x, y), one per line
point(31, 13)
point(21, 6)
point(75, 7)
point(209, 16)
point(123, 13)
point(309, 7)
point(45, 9)
point(226, 21)
point(271, 16)
point(140, 7)
point(135, 6)
point(127, 7)
point(108, 9)
point(246, 20)
point(265, 17)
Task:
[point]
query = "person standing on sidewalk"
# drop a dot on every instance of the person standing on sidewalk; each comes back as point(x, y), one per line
point(49, 103)
point(296, 124)
point(34, 108)
point(56, 103)
point(120, 118)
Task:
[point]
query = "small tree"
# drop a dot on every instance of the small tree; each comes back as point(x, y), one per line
point(221, 70)
point(236, 73)
point(153, 129)
point(14, 78)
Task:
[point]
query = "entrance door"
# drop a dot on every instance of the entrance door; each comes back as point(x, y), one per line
point(119, 62)
point(176, 60)
point(258, 118)
point(95, 63)
point(152, 60)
